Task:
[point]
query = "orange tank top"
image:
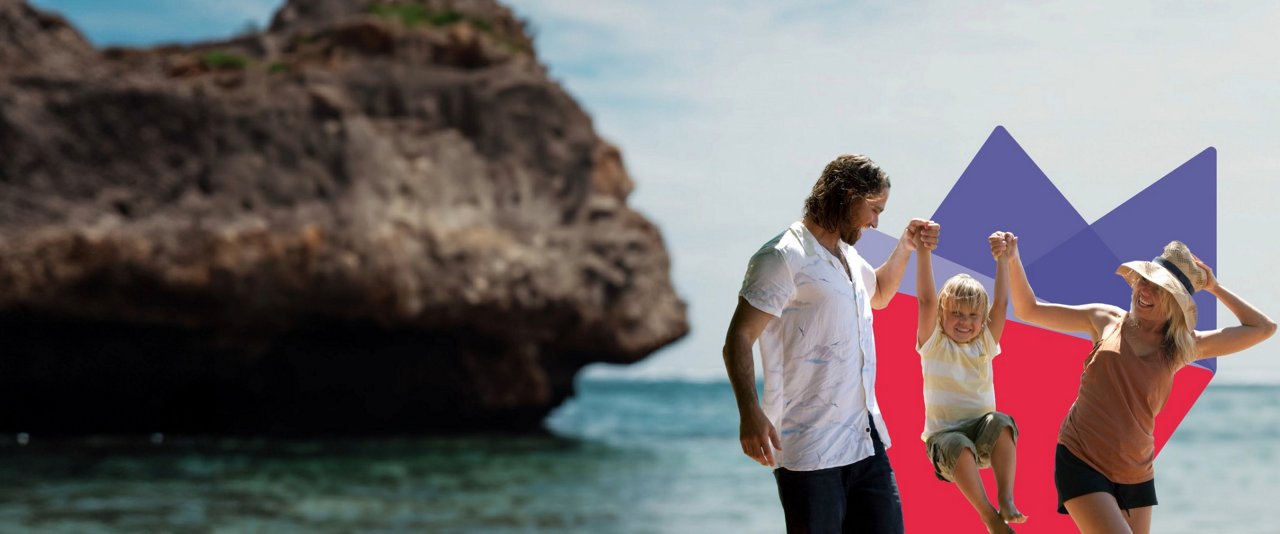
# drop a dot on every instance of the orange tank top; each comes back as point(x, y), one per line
point(1111, 424)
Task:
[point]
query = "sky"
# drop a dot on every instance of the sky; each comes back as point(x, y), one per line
point(726, 113)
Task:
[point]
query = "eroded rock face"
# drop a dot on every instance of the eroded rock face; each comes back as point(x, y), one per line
point(372, 217)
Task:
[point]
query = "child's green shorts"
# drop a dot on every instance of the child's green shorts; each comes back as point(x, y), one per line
point(978, 435)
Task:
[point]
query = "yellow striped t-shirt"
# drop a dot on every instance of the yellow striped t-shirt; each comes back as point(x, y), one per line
point(957, 379)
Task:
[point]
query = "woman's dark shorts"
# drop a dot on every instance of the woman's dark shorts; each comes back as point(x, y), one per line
point(1073, 478)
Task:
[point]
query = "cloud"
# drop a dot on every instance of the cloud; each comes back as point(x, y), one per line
point(727, 111)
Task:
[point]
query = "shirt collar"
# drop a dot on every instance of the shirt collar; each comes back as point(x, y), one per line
point(810, 241)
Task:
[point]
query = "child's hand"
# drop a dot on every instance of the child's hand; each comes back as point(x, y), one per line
point(1004, 245)
point(998, 244)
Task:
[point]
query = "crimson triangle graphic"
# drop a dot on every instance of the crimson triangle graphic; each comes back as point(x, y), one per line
point(1037, 373)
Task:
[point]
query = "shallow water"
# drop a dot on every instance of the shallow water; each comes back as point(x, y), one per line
point(623, 457)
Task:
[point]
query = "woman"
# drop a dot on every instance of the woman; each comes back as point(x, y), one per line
point(1103, 467)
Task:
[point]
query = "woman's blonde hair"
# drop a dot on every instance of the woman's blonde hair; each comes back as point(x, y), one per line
point(962, 292)
point(1178, 342)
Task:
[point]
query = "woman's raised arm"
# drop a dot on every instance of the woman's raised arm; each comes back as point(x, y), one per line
point(1254, 326)
point(1091, 318)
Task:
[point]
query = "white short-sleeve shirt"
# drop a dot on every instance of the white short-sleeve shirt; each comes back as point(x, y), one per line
point(818, 354)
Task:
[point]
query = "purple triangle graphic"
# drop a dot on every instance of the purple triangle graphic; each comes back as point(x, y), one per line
point(1181, 206)
point(1068, 260)
point(1003, 189)
point(875, 246)
point(1079, 271)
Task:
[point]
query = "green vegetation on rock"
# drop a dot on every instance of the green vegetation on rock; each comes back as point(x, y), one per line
point(224, 61)
point(416, 14)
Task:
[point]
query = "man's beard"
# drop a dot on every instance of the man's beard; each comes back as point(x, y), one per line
point(849, 233)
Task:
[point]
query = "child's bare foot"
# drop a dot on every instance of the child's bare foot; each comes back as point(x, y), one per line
point(1010, 513)
point(994, 523)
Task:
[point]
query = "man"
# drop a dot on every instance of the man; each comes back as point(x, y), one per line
point(807, 297)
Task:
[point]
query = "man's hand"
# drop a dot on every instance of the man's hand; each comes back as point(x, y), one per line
point(759, 438)
point(921, 234)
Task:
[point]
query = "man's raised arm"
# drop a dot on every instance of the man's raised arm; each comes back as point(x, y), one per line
point(889, 275)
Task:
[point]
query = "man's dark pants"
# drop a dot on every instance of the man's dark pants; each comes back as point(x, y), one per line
point(859, 497)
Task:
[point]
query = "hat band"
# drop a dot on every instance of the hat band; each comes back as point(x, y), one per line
point(1177, 273)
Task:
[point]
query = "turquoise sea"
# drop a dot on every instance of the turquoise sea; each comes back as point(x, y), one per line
point(624, 456)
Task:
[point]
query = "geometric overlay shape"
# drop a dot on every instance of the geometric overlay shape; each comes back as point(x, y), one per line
point(1003, 189)
point(877, 245)
point(1182, 205)
point(1036, 377)
point(1038, 372)
point(1067, 260)
point(1081, 270)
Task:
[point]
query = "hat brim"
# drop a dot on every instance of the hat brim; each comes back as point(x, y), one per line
point(1160, 276)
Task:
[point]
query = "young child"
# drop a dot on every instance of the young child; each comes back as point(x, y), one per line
point(957, 337)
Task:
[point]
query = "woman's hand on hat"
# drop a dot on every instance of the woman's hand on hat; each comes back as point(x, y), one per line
point(1211, 281)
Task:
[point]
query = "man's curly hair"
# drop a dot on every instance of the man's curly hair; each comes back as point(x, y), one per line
point(846, 180)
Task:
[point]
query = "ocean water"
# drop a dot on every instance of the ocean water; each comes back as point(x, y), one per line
point(622, 457)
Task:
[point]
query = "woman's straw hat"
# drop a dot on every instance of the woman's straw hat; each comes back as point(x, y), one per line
point(1176, 271)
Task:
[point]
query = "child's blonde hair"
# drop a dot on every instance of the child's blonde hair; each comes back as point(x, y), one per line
point(962, 292)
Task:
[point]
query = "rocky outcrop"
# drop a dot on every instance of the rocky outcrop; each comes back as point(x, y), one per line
point(374, 216)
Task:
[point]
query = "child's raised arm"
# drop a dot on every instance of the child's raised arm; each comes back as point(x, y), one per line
point(1000, 300)
point(926, 296)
